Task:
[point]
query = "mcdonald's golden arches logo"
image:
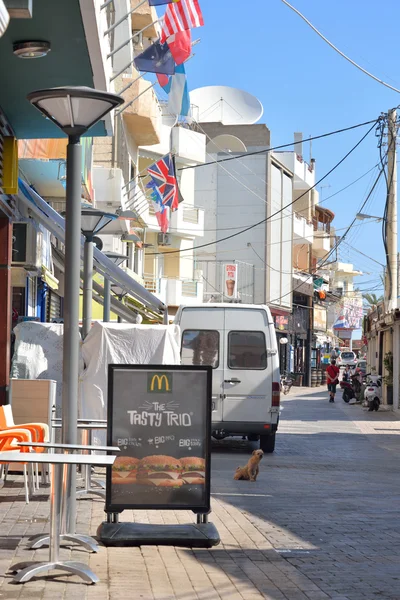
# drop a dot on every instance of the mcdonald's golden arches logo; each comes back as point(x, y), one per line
point(159, 383)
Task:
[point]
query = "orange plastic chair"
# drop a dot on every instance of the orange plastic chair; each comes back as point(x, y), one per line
point(40, 431)
point(8, 441)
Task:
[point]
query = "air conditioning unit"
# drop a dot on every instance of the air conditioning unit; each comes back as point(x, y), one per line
point(164, 239)
point(27, 245)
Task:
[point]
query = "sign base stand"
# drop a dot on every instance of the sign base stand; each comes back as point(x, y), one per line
point(196, 535)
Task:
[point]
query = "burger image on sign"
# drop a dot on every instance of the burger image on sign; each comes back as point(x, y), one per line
point(124, 469)
point(160, 471)
point(193, 470)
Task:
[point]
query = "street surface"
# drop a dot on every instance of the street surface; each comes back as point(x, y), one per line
point(320, 523)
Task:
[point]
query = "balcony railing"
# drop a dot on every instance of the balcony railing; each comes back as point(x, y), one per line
point(189, 289)
point(191, 215)
point(150, 283)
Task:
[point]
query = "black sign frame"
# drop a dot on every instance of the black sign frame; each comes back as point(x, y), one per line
point(163, 369)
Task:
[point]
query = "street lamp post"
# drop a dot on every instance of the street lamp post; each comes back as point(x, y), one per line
point(92, 222)
point(118, 259)
point(74, 110)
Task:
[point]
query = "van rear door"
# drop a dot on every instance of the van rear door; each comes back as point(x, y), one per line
point(248, 368)
point(202, 344)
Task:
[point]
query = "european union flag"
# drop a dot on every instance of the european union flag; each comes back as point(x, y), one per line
point(157, 58)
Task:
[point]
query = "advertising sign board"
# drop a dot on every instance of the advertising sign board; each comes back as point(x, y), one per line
point(230, 280)
point(160, 418)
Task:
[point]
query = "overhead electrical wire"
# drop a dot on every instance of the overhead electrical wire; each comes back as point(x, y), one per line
point(281, 209)
point(267, 150)
point(391, 87)
point(141, 209)
point(340, 241)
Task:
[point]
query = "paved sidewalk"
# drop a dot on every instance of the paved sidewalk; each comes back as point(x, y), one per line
point(320, 523)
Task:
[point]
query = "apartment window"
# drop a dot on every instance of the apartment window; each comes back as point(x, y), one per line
point(200, 347)
point(247, 350)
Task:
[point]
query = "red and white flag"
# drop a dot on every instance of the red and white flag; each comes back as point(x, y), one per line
point(180, 45)
point(181, 16)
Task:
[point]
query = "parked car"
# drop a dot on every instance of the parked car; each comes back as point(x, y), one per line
point(239, 342)
point(347, 357)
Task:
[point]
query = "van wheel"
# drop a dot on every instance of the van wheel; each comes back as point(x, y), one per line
point(267, 442)
point(253, 437)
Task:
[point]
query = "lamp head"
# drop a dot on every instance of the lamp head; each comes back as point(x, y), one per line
point(74, 109)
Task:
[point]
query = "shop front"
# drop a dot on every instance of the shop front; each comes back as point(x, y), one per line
point(302, 335)
point(320, 352)
point(283, 323)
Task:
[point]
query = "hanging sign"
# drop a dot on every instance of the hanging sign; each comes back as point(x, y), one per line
point(230, 280)
point(160, 418)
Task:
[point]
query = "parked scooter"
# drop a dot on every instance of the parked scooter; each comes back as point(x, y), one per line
point(351, 389)
point(286, 382)
point(373, 392)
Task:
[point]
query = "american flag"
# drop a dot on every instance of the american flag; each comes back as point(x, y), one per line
point(181, 16)
point(163, 174)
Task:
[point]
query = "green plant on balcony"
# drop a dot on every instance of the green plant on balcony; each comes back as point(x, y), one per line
point(388, 363)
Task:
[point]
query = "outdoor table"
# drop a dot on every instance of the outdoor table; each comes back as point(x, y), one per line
point(83, 540)
point(87, 426)
point(27, 569)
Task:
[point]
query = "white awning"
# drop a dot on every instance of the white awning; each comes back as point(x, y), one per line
point(55, 223)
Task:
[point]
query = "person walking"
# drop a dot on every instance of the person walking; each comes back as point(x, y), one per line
point(332, 379)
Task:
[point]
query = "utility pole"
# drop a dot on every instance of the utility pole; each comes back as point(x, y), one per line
point(391, 225)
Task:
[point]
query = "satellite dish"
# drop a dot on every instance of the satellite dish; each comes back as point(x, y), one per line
point(226, 105)
point(225, 143)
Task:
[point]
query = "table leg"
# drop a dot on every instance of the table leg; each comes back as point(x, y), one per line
point(86, 541)
point(28, 569)
point(87, 440)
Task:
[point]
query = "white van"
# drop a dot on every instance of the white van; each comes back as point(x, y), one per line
point(239, 342)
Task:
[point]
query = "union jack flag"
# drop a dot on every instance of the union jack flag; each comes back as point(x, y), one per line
point(181, 16)
point(163, 174)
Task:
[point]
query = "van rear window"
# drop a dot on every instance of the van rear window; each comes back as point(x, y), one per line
point(247, 350)
point(200, 347)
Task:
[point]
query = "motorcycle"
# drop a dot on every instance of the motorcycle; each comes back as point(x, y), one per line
point(351, 389)
point(286, 383)
point(373, 392)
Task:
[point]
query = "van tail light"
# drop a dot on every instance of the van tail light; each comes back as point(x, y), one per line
point(276, 393)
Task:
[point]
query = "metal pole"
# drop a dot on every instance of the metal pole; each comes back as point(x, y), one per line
point(70, 385)
point(135, 35)
point(391, 226)
point(87, 286)
point(134, 99)
point(110, 29)
point(107, 300)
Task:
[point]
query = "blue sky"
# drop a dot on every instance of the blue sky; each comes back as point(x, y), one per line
point(266, 49)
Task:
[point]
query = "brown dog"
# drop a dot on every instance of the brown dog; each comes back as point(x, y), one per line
point(250, 471)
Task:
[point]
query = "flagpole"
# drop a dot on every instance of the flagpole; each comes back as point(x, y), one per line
point(131, 39)
point(132, 82)
point(110, 29)
point(134, 99)
point(106, 4)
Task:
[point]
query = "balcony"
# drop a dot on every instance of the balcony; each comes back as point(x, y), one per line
point(142, 118)
point(136, 200)
point(303, 231)
point(304, 174)
point(144, 16)
point(188, 146)
point(174, 292)
point(187, 222)
point(321, 244)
